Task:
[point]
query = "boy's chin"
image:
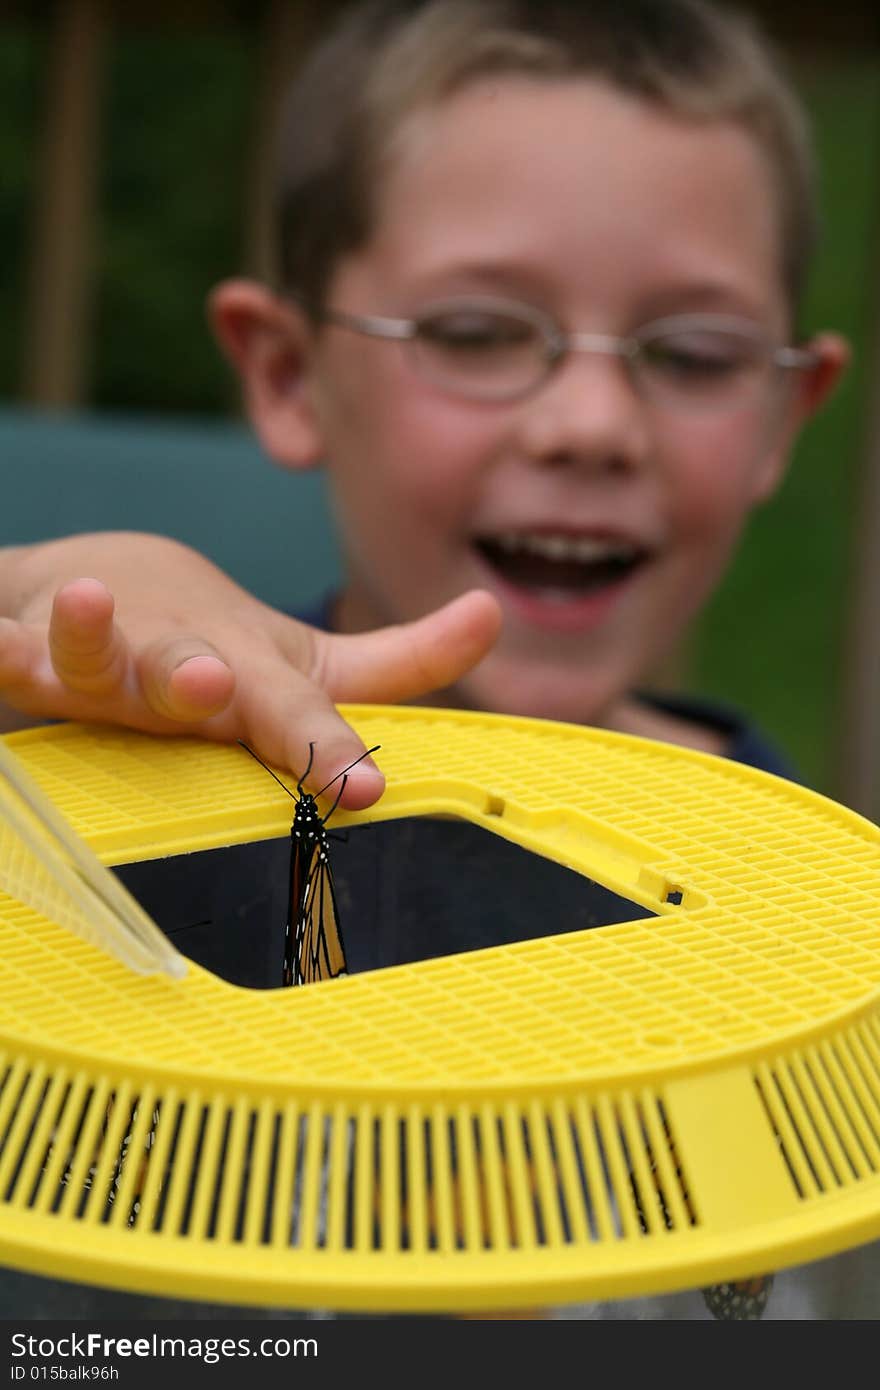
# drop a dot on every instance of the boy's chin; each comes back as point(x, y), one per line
point(514, 689)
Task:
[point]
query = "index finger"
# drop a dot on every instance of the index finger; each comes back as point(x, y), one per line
point(282, 714)
point(289, 706)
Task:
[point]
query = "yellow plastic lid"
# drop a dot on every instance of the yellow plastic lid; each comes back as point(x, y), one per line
point(652, 1105)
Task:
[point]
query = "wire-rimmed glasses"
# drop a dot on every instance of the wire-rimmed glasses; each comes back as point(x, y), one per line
point(488, 349)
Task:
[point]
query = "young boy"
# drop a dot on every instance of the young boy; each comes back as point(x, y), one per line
point(542, 266)
point(533, 172)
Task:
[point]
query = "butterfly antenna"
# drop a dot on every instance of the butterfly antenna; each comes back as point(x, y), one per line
point(268, 769)
point(338, 795)
point(346, 770)
point(299, 784)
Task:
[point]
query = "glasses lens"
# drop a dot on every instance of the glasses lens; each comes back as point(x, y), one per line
point(485, 353)
point(705, 366)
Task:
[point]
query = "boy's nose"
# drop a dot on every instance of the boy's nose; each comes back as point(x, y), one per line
point(587, 414)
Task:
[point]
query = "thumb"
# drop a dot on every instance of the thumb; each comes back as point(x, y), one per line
point(411, 659)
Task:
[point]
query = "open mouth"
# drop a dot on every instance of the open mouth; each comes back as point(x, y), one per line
point(562, 565)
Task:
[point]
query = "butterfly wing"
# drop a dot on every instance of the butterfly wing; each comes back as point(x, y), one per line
point(321, 955)
point(316, 952)
point(302, 854)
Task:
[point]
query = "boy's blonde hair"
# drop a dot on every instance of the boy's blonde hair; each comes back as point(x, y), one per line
point(387, 59)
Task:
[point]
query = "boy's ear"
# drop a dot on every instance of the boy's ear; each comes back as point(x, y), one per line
point(267, 341)
point(811, 390)
point(832, 358)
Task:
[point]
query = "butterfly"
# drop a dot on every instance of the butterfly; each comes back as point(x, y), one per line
point(313, 948)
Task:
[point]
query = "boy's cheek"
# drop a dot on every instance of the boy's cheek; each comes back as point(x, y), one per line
point(411, 499)
point(769, 475)
point(721, 486)
point(410, 437)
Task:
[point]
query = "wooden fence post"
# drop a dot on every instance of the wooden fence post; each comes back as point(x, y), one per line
point(287, 31)
point(55, 366)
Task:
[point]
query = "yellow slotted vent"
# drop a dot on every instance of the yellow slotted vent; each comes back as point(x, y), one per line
point(823, 1102)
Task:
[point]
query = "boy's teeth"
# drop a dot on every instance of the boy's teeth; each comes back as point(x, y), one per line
point(558, 565)
point(582, 549)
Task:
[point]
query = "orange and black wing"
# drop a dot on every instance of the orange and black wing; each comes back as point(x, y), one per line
point(302, 854)
point(318, 953)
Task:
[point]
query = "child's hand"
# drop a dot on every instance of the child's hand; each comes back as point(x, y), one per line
point(166, 642)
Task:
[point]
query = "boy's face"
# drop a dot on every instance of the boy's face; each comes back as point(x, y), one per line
point(600, 520)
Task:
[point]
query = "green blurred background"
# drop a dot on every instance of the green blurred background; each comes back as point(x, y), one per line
point(774, 638)
point(180, 102)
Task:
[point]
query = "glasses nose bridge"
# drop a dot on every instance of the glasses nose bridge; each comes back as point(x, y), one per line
point(605, 344)
point(598, 416)
point(601, 345)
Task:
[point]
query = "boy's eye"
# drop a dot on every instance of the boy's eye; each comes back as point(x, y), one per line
point(468, 331)
point(706, 355)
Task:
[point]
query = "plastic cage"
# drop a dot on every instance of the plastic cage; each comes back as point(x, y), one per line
point(665, 1102)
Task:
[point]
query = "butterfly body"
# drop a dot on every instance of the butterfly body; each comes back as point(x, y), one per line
point(313, 947)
